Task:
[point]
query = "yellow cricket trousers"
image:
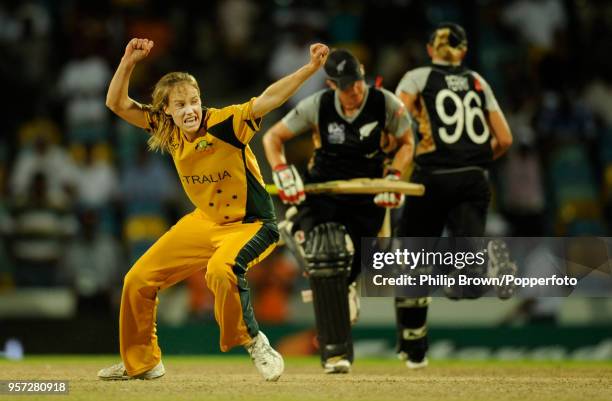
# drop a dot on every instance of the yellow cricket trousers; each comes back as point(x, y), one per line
point(193, 243)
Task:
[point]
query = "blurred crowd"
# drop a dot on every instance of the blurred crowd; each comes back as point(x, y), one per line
point(81, 198)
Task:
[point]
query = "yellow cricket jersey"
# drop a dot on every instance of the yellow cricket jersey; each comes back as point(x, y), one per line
point(218, 170)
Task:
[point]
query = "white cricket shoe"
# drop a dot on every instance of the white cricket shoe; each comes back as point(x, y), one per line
point(267, 360)
point(118, 372)
point(403, 356)
point(417, 365)
point(337, 365)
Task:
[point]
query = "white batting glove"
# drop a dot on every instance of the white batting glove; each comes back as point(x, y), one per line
point(390, 200)
point(289, 184)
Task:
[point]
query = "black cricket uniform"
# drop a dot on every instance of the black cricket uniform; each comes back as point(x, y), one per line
point(451, 158)
point(453, 152)
point(346, 148)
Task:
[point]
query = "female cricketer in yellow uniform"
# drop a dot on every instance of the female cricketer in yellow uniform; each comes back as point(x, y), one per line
point(233, 225)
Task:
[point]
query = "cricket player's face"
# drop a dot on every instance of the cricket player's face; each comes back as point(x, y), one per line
point(185, 107)
point(352, 96)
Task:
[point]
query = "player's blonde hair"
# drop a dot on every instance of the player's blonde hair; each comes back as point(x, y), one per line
point(443, 50)
point(164, 128)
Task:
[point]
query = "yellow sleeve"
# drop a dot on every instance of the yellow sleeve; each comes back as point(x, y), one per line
point(234, 124)
point(245, 124)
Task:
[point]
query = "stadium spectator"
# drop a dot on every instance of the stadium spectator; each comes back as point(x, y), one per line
point(48, 159)
point(38, 230)
point(82, 84)
point(147, 184)
point(537, 21)
point(523, 191)
point(97, 180)
point(92, 265)
point(290, 53)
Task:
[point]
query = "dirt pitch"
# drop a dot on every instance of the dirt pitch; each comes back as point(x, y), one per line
point(234, 378)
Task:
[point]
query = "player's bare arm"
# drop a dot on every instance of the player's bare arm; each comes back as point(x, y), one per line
point(502, 137)
point(399, 165)
point(286, 177)
point(117, 98)
point(278, 93)
point(403, 156)
point(409, 101)
point(273, 141)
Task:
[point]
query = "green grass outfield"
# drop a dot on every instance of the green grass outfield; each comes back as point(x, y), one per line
point(234, 378)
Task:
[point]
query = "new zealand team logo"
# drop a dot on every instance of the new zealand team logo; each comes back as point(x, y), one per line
point(366, 130)
point(336, 134)
point(204, 147)
point(340, 67)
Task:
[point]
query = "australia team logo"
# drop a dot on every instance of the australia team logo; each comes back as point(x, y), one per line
point(207, 178)
point(204, 146)
point(336, 133)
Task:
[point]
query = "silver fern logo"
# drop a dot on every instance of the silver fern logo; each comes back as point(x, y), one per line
point(340, 66)
point(366, 130)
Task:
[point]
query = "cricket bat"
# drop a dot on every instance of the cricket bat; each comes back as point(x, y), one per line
point(359, 186)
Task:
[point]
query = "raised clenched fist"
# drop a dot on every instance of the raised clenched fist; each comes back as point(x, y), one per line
point(318, 54)
point(137, 49)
